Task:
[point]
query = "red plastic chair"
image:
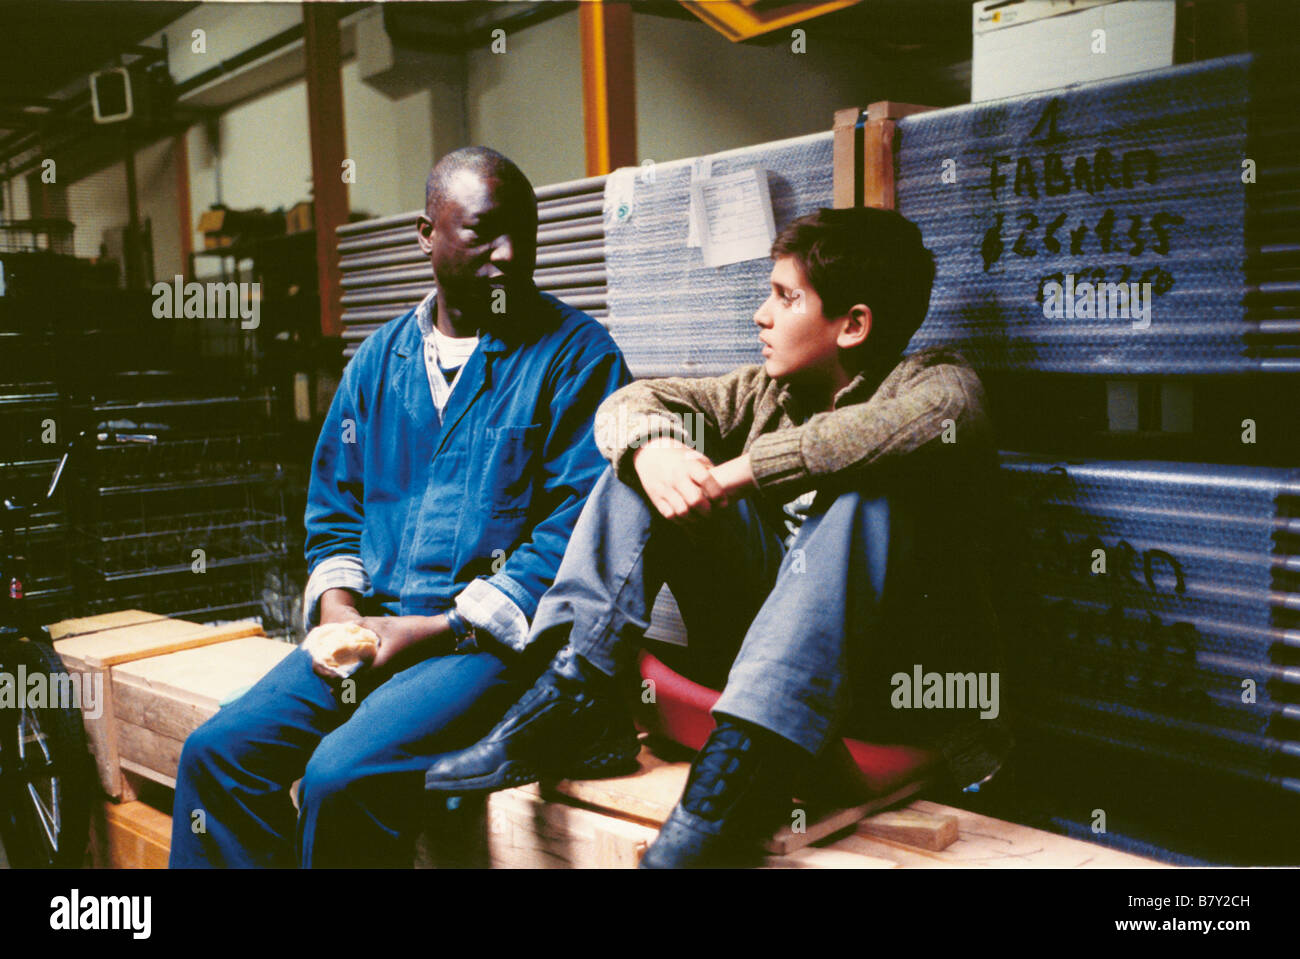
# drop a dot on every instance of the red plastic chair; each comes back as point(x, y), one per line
point(680, 713)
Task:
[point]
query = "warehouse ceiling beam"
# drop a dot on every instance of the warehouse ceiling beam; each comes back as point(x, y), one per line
point(744, 19)
point(608, 89)
point(325, 127)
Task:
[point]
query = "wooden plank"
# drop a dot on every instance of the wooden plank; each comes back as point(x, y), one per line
point(648, 795)
point(894, 110)
point(150, 754)
point(101, 731)
point(527, 832)
point(987, 843)
point(115, 646)
point(203, 677)
point(131, 835)
point(170, 716)
point(90, 644)
point(67, 628)
point(913, 827)
point(844, 166)
point(830, 858)
point(878, 164)
point(138, 771)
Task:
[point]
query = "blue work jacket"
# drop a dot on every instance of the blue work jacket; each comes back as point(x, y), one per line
point(492, 488)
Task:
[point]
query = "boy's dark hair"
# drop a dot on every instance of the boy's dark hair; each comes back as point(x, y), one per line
point(865, 255)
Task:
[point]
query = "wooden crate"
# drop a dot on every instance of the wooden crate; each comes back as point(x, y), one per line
point(525, 831)
point(91, 647)
point(130, 835)
point(159, 701)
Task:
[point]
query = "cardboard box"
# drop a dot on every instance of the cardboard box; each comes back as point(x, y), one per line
point(300, 218)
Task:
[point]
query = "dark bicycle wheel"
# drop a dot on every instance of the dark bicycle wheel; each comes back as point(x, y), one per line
point(47, 783)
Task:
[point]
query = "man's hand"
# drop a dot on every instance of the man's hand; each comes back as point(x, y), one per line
point(678, 481)
point(405, 640)
point(338, 606)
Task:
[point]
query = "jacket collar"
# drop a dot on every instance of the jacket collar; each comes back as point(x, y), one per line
point(410, 342)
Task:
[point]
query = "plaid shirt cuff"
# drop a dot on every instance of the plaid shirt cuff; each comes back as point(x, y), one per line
point(334, 572)
point(491, 611)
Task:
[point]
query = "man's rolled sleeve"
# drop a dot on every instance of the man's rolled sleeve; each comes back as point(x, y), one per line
point(334, 572)
point(488, 609)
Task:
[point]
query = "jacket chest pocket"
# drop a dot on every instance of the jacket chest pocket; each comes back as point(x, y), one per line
point(509, 468)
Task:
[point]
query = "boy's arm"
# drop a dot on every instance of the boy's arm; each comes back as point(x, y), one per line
point(946, 397)
point(706, 414)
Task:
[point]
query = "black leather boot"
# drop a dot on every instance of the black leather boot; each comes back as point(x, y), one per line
point(738, 794)
point(570, 725)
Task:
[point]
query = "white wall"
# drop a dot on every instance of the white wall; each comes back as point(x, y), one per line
point(97, 204)
point(265, 150)
point(696, 93)
point(229, 28)
point(527, 102)
point(155, 178)
point(17, 203)
point(391, 142)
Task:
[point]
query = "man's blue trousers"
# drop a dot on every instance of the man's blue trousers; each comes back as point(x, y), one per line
point(361, 800)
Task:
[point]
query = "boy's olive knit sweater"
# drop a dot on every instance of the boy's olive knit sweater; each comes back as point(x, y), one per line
point(917, 432)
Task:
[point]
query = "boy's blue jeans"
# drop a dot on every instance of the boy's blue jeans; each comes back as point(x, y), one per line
point(362, 766)
point(791, 626)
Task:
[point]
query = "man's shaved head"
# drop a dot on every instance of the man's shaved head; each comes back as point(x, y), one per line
point(485, 163)
point(479, 231)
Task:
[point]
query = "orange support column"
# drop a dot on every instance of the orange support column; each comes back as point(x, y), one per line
point(325, 125)
point(608, 88)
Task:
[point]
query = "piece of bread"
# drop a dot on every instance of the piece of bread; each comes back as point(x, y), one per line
point(341, 644)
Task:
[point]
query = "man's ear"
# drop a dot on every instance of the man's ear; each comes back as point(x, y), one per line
point(424, 228)
point(856, 327)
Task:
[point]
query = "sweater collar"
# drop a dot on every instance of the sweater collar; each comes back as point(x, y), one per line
point(858, 390)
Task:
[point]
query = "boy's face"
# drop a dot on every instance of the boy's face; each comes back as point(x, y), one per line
point(799, 342)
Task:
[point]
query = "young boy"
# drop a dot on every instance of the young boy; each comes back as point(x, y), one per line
point(820, 542)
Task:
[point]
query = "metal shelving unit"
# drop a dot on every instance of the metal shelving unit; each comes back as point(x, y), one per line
point(187, 517)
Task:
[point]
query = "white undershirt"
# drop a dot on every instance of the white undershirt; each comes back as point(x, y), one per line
point(441, 350)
